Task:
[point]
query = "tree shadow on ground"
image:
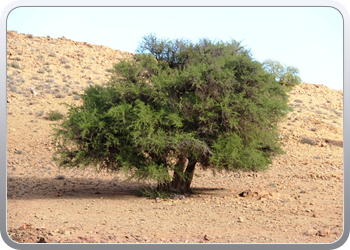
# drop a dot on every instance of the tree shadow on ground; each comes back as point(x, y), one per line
point(51, 188)
point(29, 188)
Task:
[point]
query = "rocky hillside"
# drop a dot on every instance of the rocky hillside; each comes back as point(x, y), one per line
point(299, 199)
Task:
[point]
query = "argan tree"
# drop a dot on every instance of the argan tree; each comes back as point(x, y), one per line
point(173, 107)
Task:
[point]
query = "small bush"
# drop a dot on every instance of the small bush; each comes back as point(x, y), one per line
point(306, 140)
point(41, 71)
point(153, 193)
point(40, 113)
point(20, 152)
point(41, 56)
point(18, 59)
point(63, 60)
point(30, 36)
point(13, 89)
point(76, 97)
point(285, 75)
point(59, 95)
point(54, 116)
point(60, 177)
point(15, 65)
point(51, 54)
point(67, 66)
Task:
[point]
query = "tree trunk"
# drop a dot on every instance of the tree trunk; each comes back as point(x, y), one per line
point(189, 175)
point(183, 175)
point(178, 181)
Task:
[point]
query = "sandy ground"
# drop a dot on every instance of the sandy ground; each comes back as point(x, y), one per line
point(298, 200)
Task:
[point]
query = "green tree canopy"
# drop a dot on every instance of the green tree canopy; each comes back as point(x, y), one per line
point(173, 107)
point(285, 75)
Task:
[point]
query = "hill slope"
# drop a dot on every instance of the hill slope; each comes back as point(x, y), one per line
point(299, 199)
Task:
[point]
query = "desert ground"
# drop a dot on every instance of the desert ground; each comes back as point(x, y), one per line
point(299, 199)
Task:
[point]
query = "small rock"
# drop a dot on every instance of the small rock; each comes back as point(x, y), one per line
point(310, 232)
point(206, 237)
point(248, 193)
point(322, 233)
point(265, 196)
point(41, 240)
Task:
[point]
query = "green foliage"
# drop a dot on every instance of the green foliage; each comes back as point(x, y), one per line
point(153, 193)
point(175, 104)
point(285, 75)
point(54, 116)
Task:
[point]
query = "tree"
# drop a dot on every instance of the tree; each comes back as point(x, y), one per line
point(285, 75)
point(173, 107)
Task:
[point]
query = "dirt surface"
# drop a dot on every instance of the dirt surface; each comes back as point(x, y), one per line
point(298, 200)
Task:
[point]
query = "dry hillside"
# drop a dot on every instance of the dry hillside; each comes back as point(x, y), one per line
point(299, 199)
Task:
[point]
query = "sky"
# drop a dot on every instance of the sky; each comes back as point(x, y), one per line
point(309, 38)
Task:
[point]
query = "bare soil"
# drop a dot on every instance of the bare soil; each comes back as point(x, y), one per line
point(298, 200)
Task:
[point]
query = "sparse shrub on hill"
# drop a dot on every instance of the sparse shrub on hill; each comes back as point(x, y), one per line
point(54, 116)
point(173, 105)
point(306, 140)
point(286, 75)
point(13, 89)
point(59, 95)
point(15, 65)
point(63, 60)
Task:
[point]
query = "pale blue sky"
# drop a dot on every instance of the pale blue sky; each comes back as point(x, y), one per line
point(309, 38)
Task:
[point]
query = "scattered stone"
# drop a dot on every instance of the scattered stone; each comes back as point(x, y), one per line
point(41, 240)
point(177, 196)
point(310, 232)
point(248, 193)
point(322, 233)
